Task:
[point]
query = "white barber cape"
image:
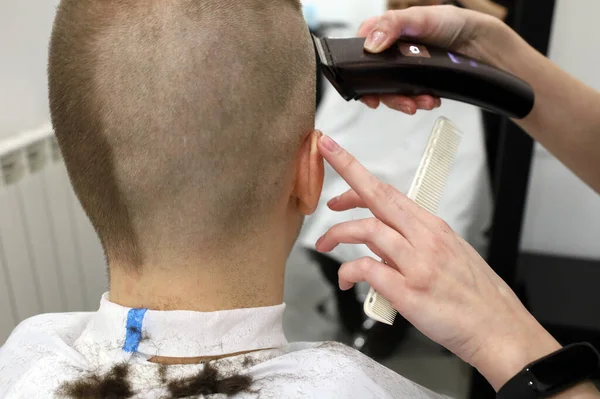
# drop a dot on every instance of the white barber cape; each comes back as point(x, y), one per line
point(47, 354)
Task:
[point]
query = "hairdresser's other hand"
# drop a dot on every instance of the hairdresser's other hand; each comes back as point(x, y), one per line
point(433, 277)
point(464, 31)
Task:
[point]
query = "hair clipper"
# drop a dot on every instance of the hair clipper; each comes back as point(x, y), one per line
point(413, 69)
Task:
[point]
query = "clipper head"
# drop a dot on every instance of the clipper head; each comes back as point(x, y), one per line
point(320, 50)
point(326, 63)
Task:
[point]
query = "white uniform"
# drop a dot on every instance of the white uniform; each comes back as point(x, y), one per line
point(106, 353)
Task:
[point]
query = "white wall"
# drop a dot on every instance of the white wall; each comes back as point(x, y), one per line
point(353, 11)
point(563, 214)
point(50, 258)
point(25, 27)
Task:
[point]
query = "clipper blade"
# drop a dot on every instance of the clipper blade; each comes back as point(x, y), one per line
point(321, 52)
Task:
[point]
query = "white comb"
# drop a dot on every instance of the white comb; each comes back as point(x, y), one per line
point(426, 190)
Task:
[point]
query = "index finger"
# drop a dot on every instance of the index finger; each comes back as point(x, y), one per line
point(387, 204)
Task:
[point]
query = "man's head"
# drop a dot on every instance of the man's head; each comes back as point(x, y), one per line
point(185, 124)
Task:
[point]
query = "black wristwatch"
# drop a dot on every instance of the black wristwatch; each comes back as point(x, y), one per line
point(554, 373)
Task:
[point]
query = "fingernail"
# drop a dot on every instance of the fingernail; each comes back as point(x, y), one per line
point(333, 201)
point(375, 40)
point(344, 286)
point(404, 108)
point(329, 144)
point(319, 241)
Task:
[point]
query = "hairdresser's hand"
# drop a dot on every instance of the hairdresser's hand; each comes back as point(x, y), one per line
point(434, 278)
point(464, 31)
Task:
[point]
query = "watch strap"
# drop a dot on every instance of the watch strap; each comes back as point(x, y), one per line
point(518, 387)
point(553, 373)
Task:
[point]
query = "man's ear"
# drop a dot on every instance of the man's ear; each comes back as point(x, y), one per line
point(310, 173)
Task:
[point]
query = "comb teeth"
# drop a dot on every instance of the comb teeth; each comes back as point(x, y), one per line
point(384, 309)
point(430, 181)
point(379, 308)
point(426, 190)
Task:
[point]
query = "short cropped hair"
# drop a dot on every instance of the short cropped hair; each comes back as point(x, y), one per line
point(178, 120)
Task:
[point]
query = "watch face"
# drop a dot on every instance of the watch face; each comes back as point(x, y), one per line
point(572, 364)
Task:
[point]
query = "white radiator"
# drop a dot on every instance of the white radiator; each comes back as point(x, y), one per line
point(50, 258)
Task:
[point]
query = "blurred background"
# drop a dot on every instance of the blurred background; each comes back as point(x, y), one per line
point(533, 220)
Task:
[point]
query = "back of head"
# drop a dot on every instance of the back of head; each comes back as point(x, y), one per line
point(179, 119)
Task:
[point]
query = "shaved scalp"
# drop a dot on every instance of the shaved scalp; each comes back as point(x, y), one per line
point(179, 120)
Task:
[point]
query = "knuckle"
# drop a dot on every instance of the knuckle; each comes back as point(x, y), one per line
point(434, 246)
point(385, 191)
point(442, 226)
point(363, 266)
point(349, 161)
point(370, 22)
point(424, 277)
point(389, 15)
point(390, 23)
point(375, 226)
point(437, 244)
point(364, 263)
point(417, 13)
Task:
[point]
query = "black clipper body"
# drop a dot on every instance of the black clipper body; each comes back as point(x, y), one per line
point(414, 69)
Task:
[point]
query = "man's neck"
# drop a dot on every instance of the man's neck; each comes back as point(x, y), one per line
point(203, 286)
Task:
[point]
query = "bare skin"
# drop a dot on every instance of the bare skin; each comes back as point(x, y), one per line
point(250, 275)
point(434, 278)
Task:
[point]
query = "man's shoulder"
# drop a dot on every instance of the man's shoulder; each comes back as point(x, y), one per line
point(43, 341)
point(331, 369)
point(56, 325)
point(332, 356)
point(330, 350)
point(336, 353)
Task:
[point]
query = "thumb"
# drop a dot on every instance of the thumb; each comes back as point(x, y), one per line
point(436, 25)
point(393, 25)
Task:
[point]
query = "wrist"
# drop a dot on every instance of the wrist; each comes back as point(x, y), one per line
point(498, 44)
point(504, 357)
